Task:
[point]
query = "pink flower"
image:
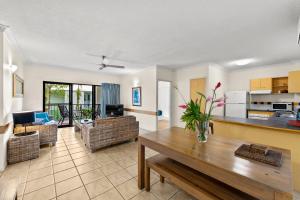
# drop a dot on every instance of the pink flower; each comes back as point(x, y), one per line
point(220, 100)
point(220, 104)
point(209, 98)
point(183, 106)
point(218, 85)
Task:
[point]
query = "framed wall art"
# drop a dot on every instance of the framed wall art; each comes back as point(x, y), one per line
point(137, 96)
point(18, 86)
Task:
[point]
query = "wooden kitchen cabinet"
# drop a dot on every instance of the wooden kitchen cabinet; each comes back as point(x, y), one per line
point(261, 84)
point(266, 84)
point(255, 84)
point(294, 82)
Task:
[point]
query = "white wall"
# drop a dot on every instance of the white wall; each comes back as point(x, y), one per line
point(1, 76)
point(8, 104)
point(217, 73)
point(182, 81)
point(147, 79)
point(36, 74)
point(240, 80)
point(164, 99)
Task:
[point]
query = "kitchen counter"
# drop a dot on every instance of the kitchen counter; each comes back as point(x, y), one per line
point(271, 123)
point(260, 110)
point(273, 132)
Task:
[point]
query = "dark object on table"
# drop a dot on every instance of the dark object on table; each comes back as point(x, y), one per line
point(257, 153)
point(258, 149)
point(298, 114)
point(114, 110)
point(86, 121)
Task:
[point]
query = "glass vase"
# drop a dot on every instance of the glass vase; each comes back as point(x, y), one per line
point(203, 131)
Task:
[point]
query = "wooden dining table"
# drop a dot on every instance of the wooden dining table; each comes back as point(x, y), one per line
point(216, 159)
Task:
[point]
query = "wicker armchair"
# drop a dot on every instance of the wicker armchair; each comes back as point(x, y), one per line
point(22, 148)
point(110, 131)
point(47, 133)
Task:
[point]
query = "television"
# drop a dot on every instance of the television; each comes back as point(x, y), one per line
point(114, 110)
point(23, 118)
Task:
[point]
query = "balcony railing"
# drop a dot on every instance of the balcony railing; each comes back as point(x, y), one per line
point(79, 111)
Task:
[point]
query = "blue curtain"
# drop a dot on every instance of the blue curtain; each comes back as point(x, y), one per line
point(110, 94)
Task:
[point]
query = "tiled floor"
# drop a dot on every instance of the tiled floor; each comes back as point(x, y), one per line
point(69, 171)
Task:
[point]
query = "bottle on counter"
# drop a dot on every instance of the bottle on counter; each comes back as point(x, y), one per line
point(298, 114)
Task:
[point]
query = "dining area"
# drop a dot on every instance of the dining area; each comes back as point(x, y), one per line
point(214, 169)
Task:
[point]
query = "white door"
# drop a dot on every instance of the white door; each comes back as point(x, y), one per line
point(236, 110)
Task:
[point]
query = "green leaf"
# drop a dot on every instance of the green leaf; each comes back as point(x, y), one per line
point(202, 95)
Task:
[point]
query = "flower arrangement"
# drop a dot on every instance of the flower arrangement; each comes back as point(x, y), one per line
point(196, 117)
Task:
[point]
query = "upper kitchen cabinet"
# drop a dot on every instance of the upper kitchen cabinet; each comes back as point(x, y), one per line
point(266, 84)
point(294, 82)
point(280, 85)
point(261, 84)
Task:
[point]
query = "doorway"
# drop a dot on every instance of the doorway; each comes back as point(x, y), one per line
point(66, 102)
point(198, 85)
point(58, 102)
point(164, 105)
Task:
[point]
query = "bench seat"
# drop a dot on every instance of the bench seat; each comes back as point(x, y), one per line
point(191, 181)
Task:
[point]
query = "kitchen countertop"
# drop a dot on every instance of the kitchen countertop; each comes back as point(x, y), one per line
point(271, 123)
point(260, 110)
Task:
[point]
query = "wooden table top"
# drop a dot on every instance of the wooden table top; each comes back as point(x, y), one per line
point(218, 154)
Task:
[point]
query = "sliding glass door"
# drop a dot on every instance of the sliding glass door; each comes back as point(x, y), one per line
point(82, 101)
point(66, 102)
point(57, 102)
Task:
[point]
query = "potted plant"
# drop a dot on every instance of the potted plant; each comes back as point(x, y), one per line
point(196, 117)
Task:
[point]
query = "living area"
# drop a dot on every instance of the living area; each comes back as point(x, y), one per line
point(113, 100)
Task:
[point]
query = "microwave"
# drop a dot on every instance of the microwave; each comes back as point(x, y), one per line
point(282, 106)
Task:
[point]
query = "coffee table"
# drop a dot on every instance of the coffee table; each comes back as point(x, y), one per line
point(78, 124)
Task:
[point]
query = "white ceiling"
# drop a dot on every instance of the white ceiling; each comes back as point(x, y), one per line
point(173, 33)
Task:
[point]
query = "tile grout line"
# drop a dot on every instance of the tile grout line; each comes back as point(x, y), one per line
point(34, 179)
point(53, 173)
point(77, 171)
point(22, 196)
point(114, 187)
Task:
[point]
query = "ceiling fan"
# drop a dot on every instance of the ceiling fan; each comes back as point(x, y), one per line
point(104, 64)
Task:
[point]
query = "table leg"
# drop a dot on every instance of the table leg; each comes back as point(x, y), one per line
point(141, 165)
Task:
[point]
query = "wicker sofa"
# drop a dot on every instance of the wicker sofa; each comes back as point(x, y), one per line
point(47, 133)
point(106, 132)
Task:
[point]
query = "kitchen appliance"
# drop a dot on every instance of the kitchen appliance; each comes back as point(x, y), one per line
point(114, 110)
point(282, 106)
point(236, 104)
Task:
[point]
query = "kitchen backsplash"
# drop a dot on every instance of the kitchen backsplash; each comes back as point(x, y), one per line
point(262, 102)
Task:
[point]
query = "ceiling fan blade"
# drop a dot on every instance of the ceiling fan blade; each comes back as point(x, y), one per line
point(115, 66)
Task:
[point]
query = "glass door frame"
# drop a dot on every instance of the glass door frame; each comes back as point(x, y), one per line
point(71, 99)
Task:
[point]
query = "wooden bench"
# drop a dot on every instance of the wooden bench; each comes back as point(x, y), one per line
point(191, 181)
